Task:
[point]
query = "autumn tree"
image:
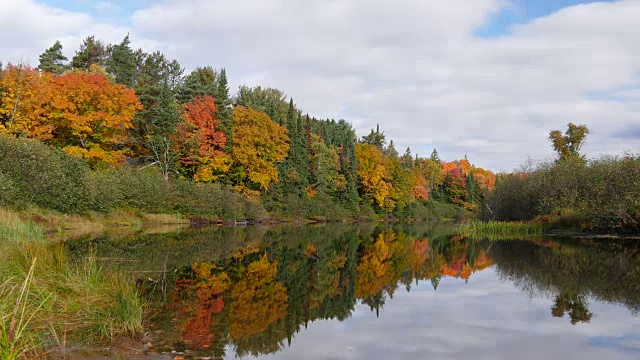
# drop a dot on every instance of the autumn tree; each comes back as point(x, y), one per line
point(202, 141)
point(326, 167)
point(374, 177)
point(259, 144)
point(52, 60)
point(258, 300)
point(91, 116)
point(23, 95)
point(568, 145)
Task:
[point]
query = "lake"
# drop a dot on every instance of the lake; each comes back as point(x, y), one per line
point(375, 291)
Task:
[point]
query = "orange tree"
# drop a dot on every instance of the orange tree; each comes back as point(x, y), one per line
point(91, 116)
point(23, 93)
point(201, 141)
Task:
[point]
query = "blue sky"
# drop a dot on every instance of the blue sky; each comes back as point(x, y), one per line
point(523, 11)
point(445, 74)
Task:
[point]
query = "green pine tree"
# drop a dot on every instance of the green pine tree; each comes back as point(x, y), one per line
point(52, 60)
point(435, 157)
point(202, 81)
point(91, 52)
point(122, 63)
point(223, 102)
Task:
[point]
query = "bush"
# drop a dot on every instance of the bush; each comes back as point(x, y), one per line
point(34, 173)
point(605, 193)
point(42, 175)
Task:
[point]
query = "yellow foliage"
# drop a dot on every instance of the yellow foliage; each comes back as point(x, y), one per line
point(258, 144)
point(373, 173)
point(257, 300)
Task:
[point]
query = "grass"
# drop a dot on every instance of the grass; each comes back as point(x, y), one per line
point(499, 230)
point(47, 300)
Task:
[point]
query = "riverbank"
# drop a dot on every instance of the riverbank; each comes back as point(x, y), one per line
point(49, 302)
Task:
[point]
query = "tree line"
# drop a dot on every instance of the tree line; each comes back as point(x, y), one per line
point(115, 106)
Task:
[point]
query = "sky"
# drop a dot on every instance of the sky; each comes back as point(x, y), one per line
point(484, 78)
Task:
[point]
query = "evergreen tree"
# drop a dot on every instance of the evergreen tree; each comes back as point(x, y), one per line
point(473, 190)
point(407, 159)
point(122, 63)
point(202, 81)
point(435, 157)
point(223, 102)
point(91, 52)
point(52, 60)
point(376, 138)
point(391, 151)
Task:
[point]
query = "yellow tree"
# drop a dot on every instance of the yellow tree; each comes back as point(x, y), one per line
point(373, 173)
point(23, 94)
point(258, 145)
point(258, 300)
point(91, 116)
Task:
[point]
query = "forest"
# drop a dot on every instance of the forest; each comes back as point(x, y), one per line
point(119, 128)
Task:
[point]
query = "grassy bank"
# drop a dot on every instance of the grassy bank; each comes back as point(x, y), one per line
point(47, 301)
point(499, 230)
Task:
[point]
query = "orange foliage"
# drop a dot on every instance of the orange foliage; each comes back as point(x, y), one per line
point(465, 166)
point(91, 116)
point(24, 95)
point(201, 141)
point(197, 312)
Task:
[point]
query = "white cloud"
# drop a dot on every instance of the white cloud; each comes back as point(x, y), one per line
point(414, 66)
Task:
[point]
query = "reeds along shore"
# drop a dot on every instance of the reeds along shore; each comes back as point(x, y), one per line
point(48, 301)
point(498, 230)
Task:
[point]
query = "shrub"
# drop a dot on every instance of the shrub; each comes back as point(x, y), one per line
point(43, 175)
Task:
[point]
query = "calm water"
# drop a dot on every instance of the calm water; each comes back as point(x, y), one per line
point(378, 292)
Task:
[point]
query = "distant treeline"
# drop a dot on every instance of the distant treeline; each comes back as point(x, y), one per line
point(149, 137)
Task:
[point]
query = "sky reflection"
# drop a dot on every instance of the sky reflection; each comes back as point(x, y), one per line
point(484, 319)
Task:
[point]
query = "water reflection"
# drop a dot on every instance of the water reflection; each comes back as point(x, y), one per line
point(254, 291)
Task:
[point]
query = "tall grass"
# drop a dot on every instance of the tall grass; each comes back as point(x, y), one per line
point(499, 230)
point(47, 302)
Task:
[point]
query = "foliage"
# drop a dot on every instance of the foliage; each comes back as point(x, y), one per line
point(202, 142)
point(52, 60)
point(568, 145)
point(25, 92)
point(259, 143)
point(603, 190)
point(91, 116)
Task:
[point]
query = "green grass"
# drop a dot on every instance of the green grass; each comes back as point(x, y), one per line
point(498, 230)
point(47, 300)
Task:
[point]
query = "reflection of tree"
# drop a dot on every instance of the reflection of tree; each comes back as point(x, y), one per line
point(197, 311)
point(373, 269)
point(257, 300)
point(575, 306)
point(256, 297)
point(574, 270)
